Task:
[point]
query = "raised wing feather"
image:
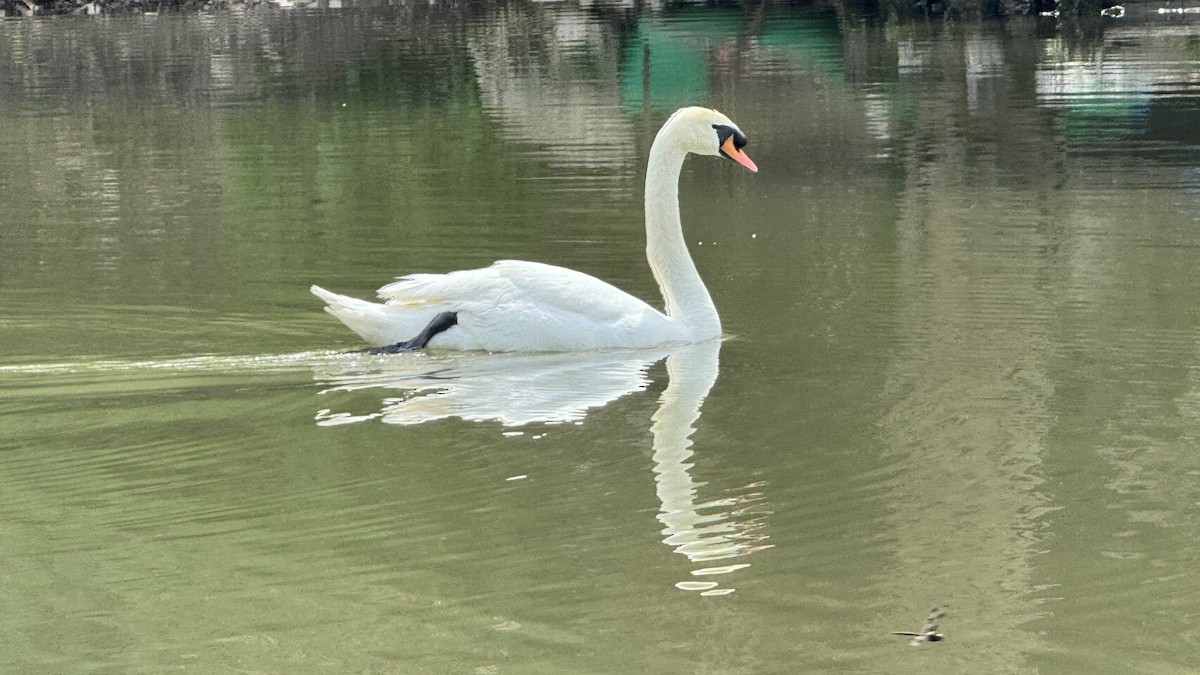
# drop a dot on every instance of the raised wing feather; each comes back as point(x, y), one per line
point(517, 282)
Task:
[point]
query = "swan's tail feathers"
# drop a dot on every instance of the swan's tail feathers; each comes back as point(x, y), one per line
point(371, 320)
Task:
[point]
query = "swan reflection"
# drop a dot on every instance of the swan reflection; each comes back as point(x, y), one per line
point(522, 389)
point(705, 532)
point(512, 389)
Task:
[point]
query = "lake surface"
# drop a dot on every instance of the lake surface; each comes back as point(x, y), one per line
point(962, 301)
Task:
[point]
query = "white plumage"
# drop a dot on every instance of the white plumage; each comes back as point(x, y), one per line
point(527, 306)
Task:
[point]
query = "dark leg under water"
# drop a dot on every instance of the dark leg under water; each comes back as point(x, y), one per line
point(440, 323)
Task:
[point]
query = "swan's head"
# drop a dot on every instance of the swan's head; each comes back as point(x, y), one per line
point(707, 132)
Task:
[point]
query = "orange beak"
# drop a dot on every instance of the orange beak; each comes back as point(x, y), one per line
point(737, 155)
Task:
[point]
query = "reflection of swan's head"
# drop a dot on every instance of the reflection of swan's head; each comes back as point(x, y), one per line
point(707, 132)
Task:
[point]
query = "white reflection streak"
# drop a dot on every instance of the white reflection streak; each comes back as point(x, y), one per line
point(548, 76)
point(512, 389)
point(520, 389)
point(702, 537)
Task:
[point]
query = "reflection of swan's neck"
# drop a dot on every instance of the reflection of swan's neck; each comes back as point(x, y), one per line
point(687, 300)
point(691, 372)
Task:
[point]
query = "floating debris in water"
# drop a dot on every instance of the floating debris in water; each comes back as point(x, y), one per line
point(928, 632)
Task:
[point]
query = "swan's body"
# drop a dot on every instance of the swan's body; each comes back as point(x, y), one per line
point(526, 306)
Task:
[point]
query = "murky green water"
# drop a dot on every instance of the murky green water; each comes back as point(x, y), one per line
point(962, 298)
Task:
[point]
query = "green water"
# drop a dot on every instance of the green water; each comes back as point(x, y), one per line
point(961, 366)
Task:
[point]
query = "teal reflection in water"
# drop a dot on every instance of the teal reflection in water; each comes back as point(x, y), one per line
point(666, 63)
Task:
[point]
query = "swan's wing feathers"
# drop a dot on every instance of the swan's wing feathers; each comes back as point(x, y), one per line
point(515, 282)
point(416, 290)
point(568, 291)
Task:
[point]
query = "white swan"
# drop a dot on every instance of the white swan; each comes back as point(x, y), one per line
point(517, 306)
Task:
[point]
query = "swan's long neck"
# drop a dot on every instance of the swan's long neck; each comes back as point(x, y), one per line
point(687, 300)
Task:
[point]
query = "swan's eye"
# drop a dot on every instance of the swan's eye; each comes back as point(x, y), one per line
point(725, 132)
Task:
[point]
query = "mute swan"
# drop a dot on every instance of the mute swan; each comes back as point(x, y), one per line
point(516, 306)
